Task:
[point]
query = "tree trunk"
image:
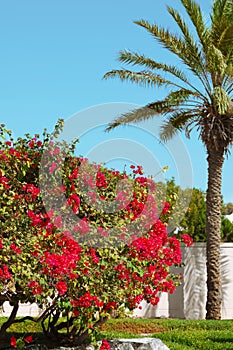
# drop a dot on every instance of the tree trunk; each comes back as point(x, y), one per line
point(9, 321)
point(213, 224)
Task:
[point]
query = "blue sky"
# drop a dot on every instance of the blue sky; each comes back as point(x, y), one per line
point(53, 57)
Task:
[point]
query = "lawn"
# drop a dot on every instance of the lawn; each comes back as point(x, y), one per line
point(176, 334)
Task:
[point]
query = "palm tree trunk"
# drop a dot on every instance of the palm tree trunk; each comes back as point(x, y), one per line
point(213, 224)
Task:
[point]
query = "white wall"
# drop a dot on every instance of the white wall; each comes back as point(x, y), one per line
point(189, 300)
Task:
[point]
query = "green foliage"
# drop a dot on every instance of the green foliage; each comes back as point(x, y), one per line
point(226, 230)
point(207, 52)
point(75, 242)
point(227, 209)
point(194, 219)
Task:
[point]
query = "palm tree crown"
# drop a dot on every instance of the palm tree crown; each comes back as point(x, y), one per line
point(208, 105)
point(203, 102)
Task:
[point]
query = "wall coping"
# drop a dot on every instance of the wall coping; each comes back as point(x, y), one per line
point(203, 244)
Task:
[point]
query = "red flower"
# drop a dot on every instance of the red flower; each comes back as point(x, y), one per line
point(53, 167)
point(101, 180)
point(188, 241)
point(7, 274)
point(75, 312)
point(28, 339)
point(13, 341)
point(58, 221)
point(56, 151)
point(166, 207)
point(74, 174)
point(105, 345)
point(36, 288)
point(30, 188)
point(15, 248)
point(61, 287)
point(1, 244)
point(31, 144)
point(4, 180)
point(82, 226)
point(4, 273)
point(110, 305)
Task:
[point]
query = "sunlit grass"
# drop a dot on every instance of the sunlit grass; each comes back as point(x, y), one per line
point(176, 334)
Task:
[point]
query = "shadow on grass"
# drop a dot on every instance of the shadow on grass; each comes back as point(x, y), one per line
point(223, 339)
point(37, 338)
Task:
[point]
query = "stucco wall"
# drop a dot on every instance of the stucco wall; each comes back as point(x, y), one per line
point(189, 299)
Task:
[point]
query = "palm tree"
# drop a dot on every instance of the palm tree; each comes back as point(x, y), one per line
point(202, 101)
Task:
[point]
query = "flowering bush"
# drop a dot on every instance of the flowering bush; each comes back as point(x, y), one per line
point(75, 241)
point(20, 342)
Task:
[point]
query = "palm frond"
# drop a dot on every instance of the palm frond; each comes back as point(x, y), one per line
point(144, 113)
point(166, 106)
point(222, 24)
point(195, 14)
point(222, 9)
point(134, 116)
point(177, 121)
point(220, 51)
point(143, 78)
point(173, 43)
point(135, 59)
point(223, 39)
point(180, 48)
point(167, 131)
point(179, 96)
point(193, 47)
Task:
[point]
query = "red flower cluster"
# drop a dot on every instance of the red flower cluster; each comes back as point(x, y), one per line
point(13, 340)
point(166, 207)
point(188, 241)
point(31, 190)
point(35, 287)
point(34, 143)
point(82, 227)
point(87, 281)
point(74, 201)
point(4, 273)
point(4, 181)
point(15, 249)
point(105, 345)
point(137, 170)
point(86, 300)
point(61, 287)
point(101, 180)
point(73, 175)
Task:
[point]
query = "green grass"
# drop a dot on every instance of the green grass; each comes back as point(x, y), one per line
point(176, 334)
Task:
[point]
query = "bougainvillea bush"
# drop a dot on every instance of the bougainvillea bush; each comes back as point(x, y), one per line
point(78, 239)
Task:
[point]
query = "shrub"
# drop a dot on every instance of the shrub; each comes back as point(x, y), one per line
point(75, 241)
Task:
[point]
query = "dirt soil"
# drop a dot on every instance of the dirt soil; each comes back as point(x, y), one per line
point(136, 328)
